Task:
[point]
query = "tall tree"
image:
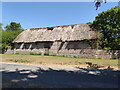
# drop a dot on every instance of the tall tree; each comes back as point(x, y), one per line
point(108, 23)
point(11, 32)
point(13, 26)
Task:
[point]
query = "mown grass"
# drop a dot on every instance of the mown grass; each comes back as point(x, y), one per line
point(55, 60)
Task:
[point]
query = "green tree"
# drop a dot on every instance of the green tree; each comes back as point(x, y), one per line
point(9, 34)
point(0, 26)
point(0, 37)
point(108, 23)
point(13, 26)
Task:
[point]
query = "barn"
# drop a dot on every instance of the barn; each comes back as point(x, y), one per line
point(67, 40)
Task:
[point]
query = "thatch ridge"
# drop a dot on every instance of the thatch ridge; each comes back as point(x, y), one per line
point(53, 27)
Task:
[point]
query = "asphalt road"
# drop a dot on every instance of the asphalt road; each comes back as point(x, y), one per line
point(33, 76)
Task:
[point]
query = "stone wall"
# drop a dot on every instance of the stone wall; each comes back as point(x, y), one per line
point(91, 53)
point(69, 49)
point(84, 53)
point(108, 54)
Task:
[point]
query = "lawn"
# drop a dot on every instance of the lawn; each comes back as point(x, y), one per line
point(56, 60)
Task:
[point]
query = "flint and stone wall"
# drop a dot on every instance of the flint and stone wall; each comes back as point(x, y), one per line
point(70, 49)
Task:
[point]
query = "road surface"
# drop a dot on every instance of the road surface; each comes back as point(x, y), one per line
point(34, 76)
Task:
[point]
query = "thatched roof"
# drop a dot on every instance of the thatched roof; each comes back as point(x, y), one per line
point(65, 33)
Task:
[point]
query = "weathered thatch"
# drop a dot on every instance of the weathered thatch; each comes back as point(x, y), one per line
point(65, 33)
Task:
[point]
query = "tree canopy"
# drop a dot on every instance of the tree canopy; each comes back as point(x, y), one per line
point(13, 26)
point(0, 26)
point(9, 34)
point(108, 23)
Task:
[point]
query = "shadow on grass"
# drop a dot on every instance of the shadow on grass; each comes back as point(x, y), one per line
point(81, 78)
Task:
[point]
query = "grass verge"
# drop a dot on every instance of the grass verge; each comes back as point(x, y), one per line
point(56, 60)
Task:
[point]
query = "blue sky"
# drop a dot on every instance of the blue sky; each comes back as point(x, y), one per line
point(47, 14)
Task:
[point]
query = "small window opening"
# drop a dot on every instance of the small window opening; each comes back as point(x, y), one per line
point(50, 28)
point(72, 26)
